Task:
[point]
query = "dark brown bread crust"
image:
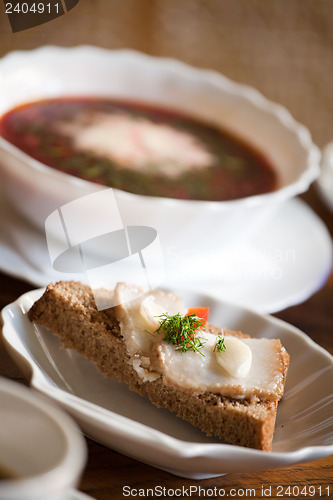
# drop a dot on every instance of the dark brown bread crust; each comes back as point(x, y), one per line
point(68, 310)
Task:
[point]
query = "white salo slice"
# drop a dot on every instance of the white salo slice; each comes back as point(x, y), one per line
point(150, 312)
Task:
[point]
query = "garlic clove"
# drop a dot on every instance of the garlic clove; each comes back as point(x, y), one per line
point(237, 357)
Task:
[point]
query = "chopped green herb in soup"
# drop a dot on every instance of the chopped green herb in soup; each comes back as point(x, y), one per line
point(137, 148)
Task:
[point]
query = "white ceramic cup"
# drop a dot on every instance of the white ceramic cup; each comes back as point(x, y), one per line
point(40, 446)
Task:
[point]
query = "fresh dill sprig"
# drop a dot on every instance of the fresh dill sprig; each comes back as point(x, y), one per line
point(182, 331)
point(219, 345)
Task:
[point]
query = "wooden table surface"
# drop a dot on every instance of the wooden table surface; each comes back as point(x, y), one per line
point(108, 472)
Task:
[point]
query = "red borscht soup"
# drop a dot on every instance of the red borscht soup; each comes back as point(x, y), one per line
point(138, 148)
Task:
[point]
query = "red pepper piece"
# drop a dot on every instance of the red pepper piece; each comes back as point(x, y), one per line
point(201, 312)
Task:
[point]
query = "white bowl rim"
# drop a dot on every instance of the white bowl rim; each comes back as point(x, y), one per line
point(72, 461)
point(311, 171)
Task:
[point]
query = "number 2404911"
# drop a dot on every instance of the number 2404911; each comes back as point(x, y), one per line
point(34, 8)
point(299, 491)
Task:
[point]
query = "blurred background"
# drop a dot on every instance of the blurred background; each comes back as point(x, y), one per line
point(284, 48)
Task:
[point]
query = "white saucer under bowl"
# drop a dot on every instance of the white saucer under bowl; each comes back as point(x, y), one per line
point(281, 261)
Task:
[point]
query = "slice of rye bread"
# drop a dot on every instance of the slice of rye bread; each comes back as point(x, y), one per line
point(68, 310)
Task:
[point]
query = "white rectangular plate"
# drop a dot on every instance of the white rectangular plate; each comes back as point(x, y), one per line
point(108, 412)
